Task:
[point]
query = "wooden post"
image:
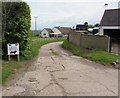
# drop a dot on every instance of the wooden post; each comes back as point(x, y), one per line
point(18, 57)
point(9, 57)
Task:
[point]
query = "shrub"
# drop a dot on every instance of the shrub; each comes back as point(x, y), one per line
point(16, 26)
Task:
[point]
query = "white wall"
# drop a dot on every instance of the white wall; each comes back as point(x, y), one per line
point(55, 30)
point(45, 32)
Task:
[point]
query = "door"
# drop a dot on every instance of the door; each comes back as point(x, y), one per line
point(114, 34)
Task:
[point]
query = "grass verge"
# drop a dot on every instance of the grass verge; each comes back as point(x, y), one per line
point(9, 68)
point(35, 48)
point(33, 38)
point(96, 55)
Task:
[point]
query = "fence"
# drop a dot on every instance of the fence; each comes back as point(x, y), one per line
point(90, 41)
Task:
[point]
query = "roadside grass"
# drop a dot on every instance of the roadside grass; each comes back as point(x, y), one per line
point(101, 56)
point(96, 55)
point(54, 52)
point(9, 68)
point(33, 38)
point(35, 48)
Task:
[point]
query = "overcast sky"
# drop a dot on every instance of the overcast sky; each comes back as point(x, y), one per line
point(67, 13)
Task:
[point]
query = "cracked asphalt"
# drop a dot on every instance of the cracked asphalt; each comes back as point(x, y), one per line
point(64, 75)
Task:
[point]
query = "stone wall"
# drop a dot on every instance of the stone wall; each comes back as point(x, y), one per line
point(90, 41)
point(75, 38)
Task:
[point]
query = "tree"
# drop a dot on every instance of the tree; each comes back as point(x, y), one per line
point(90, 26)
point(97, 25)
point(86, 23)
point(16, 26)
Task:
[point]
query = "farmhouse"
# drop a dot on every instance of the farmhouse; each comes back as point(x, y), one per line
point(61, 31)
point(110, 24)
point(45, 33)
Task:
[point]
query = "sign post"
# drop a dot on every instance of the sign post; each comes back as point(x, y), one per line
point(13, 49)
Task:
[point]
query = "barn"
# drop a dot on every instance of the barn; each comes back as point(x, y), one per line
point(110, 26)
point(110, 23)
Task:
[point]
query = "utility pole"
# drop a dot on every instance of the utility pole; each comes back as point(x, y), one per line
point(36, 24)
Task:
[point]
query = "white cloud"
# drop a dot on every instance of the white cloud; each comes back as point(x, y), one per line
point(66, 13)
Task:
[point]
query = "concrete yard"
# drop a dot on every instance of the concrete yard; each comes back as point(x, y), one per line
point(64, 75)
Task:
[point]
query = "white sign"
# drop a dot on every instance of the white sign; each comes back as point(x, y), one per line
point(13, 49)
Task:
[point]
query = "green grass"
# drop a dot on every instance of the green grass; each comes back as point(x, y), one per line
point(76, 50)
point(35, 48)
point(96, 55)
point(54, 52)
point(33, 38)
point(9, 68)
point(101, 56)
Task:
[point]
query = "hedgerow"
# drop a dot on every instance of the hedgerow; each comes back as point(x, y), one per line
point(16, 26)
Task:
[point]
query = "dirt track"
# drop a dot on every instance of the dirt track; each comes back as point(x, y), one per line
point(65, 75)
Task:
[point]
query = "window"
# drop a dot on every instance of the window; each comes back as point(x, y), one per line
point(44, 34)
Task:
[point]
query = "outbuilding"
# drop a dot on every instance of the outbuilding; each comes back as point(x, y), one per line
point(61, 31)
point(45, 33)
point(110, 23)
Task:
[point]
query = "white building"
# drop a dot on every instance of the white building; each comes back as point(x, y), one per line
point(45, 33)
point(61, 31)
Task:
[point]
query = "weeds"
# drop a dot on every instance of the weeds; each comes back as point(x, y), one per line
point(63, 78)
point(9, 68)
point(54, 52)
point(96, 55)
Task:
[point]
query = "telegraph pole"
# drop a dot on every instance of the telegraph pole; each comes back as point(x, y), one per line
point(36, 24)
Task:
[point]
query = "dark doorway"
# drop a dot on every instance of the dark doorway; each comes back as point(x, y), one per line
point(114, 45)
point(114, 34)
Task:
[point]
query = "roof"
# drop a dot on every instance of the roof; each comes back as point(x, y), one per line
point(49, 30)
point(55, 33)
point(110, 18)
point(81, 25)
point(64, 30)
